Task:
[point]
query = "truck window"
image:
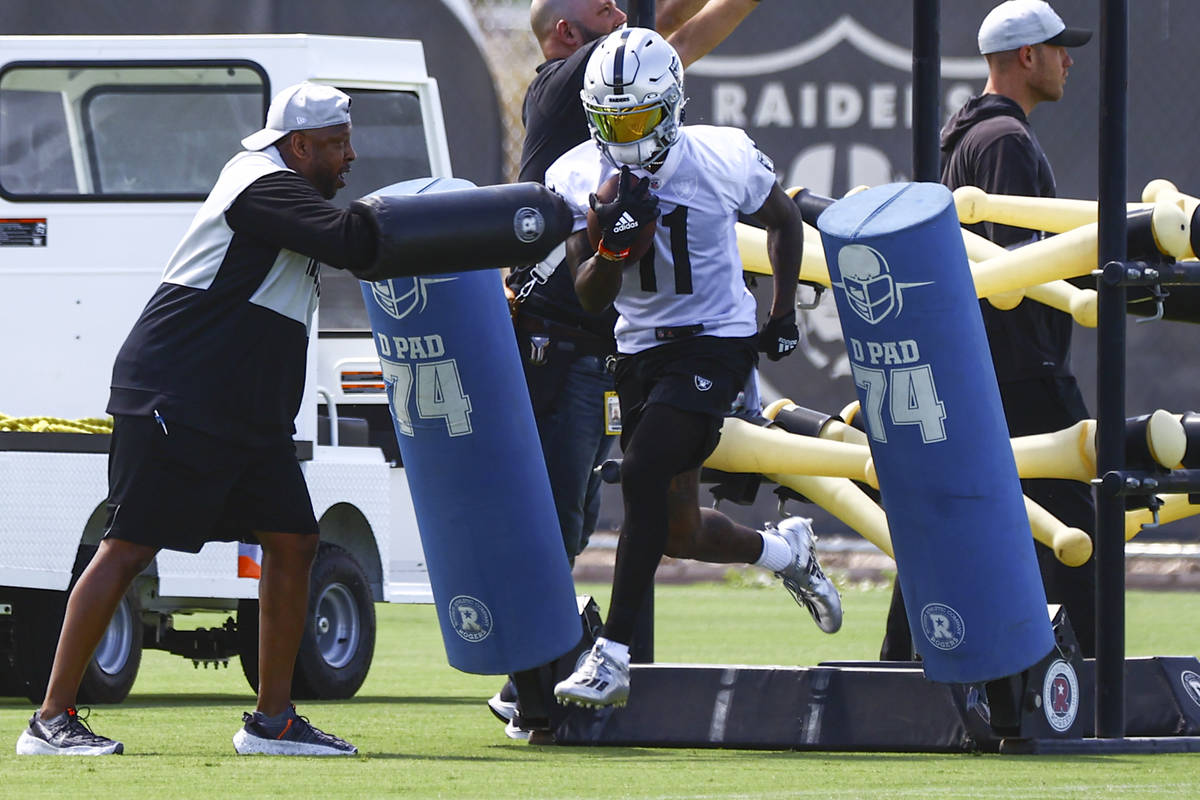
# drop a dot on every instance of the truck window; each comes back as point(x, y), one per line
point(165, 139)
point(389, 138)
point(35, 149)
point(124, 132)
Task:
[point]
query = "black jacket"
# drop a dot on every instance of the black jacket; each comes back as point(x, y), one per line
point(989, 143)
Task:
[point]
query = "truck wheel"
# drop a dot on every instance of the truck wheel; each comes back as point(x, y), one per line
point(11, 684)
point(339, 638)
point(339, 633)
point(247, 640)
point(37, 620)
point(114, 667)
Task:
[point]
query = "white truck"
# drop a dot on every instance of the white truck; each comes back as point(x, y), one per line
point(108, 145)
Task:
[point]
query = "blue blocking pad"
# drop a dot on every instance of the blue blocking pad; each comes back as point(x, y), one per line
point(499, 571)
point(928, 396)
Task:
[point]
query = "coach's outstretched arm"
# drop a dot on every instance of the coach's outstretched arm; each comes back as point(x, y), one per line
point(705, 28)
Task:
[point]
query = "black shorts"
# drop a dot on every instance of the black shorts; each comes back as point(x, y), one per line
point(180, 489)
point(702, 374)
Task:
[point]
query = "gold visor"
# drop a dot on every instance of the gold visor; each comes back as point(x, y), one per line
point(624, 126)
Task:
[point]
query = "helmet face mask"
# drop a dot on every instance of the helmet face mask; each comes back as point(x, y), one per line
point(633, 96)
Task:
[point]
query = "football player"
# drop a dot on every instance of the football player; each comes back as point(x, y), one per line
point(686, 334)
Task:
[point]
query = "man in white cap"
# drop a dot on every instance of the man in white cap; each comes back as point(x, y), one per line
point(989, 143)
point(204, 393)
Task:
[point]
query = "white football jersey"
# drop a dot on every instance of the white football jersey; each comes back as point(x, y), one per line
point(693, 274)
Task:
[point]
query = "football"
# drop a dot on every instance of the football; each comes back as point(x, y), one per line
point(606, 192)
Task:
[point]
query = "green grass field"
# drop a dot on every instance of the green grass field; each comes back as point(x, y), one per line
point(425, 731)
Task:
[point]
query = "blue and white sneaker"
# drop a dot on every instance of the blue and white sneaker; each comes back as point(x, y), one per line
point(804, 577)
point(64, 735)
point(287, 735)
point(600, 680)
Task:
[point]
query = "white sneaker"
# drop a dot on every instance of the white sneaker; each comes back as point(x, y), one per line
point(804, 578)
point(512, 731)
point(295, 737)
point(600, 680)
point(64, 735)
point(504, 710)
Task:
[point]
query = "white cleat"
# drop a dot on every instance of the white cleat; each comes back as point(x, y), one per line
point(599, 681)
point(804, 577)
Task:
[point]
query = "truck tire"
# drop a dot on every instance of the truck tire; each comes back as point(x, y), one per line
point(37, 618)
point(114, 666)
point(247, 640)
point(11, 684)
point(339, 633)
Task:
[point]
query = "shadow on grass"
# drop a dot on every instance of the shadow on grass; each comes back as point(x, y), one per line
point(516, 752)
point(163, 699)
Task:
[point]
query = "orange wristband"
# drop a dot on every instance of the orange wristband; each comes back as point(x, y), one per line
point(610, 255)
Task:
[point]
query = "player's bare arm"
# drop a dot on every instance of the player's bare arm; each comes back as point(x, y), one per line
point(597, 279)
point(622, 222)
point(785, 247)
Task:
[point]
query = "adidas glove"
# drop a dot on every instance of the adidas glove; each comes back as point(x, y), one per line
point(623, 218)
point(779, 336)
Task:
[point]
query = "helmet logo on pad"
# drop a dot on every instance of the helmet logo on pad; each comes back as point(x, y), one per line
point(399, 297)
point(868, 284)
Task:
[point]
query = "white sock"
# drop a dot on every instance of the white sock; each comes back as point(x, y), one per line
point(776, 553)
point(615, 650)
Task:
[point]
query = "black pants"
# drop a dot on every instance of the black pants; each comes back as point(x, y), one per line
point(673, 400)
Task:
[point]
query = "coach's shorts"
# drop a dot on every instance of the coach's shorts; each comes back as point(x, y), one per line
point(180, 489)
point(702, 374)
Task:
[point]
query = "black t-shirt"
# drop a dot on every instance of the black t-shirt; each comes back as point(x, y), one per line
point(990, 144)
point(554, 123)
point(553, 113)
point(219, 346)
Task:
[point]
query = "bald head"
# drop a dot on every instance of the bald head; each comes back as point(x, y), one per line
point(543, 14)
point(563, 26)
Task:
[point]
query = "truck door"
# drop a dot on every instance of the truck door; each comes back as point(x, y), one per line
point(102, 166)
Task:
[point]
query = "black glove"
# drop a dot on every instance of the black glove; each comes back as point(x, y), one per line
point(623, 218)
point(779, 336)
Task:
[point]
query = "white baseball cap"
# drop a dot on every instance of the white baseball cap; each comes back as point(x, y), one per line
point(301, 107)
point(1016, 23)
